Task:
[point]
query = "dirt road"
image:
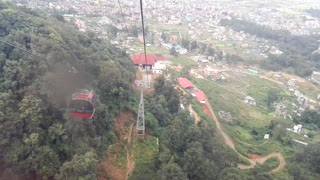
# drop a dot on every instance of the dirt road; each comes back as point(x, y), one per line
point(226, 138)
point(109, 165)
point(130, 164)
point(230, 143)
point(196, 116)
point(261, 160)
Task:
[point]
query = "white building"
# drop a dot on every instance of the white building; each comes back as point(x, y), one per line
point(291, 82)
point(183, 51)
point(296, 128)
point(159, 67)
point(250, 100)
point(281, 110)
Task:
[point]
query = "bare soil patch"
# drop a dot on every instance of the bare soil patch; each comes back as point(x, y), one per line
point(254, 156)
point(113, 172)
point(109, 169)
point(120, 123)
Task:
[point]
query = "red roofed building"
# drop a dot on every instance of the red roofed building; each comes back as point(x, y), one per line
point(185, 83)
point(201, 97)
point(145, 61)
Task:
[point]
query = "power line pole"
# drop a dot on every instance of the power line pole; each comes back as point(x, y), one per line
point(140, 120)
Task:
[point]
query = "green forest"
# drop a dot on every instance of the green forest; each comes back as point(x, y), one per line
point(298, 57)
point(38, 137)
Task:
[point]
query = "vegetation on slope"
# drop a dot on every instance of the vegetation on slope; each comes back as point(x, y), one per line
point(187, 150)
point(37, 136)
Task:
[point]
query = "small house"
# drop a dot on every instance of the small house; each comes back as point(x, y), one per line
point(225, 116)
point(303, 101)
point(183, 51)
point(297, 93)
point(185, 83)
point(250, 100)
point(201, 97)
point(146, 61)
point(296, 128)
point(210, 72)
point(159, 67)
point(281, 110)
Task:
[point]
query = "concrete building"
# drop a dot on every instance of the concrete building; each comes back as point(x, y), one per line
point(250, 100)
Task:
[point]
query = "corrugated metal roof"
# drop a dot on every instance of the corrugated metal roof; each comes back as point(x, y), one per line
point(185, 83)
point(200, 96)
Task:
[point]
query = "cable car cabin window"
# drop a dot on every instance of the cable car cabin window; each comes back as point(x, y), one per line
point(81, 106)
point(93, 100)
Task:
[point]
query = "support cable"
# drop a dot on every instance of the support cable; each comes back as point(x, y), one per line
point(144, 36)
point(24, 50)
point(124, 20)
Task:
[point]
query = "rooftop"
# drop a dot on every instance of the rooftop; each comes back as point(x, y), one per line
point(200, 96)
point(185, 83)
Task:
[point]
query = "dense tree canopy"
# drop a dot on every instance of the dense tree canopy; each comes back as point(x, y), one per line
point(309, 117)
point(307, 161)
point(48, 61)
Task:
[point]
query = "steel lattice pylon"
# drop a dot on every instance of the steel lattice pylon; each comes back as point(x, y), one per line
point(140, 120)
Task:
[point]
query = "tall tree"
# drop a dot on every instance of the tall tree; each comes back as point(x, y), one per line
point(172, 171)
point(81, 166)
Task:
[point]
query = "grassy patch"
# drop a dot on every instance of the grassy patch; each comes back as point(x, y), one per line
point(144, 152)
point(243, 161)
point(118, 156)
point(184, 61)
point(263, 150)
point(239, 132)
point(270, 164)
point(228, 96)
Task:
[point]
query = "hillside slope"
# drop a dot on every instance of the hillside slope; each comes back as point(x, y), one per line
point(37, 135)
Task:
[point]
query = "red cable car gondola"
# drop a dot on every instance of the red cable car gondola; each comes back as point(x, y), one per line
point(83, 104)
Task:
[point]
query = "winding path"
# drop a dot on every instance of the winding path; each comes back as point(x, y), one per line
point(252, 161)
point(196, 116)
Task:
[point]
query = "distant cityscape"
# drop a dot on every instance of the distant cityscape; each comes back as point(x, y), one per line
point(204, 27)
